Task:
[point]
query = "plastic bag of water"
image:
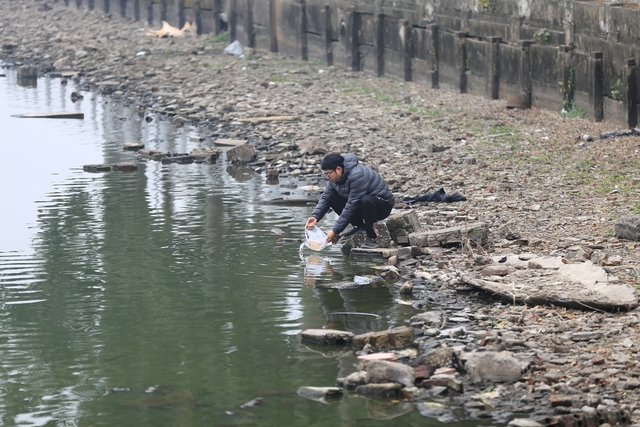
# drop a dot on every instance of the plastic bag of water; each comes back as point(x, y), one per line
point(316, 239)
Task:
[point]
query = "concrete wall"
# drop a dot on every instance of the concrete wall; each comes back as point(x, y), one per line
point(545, 51)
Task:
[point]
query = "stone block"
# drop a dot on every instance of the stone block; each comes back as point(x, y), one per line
point(401, 225)
point(327, 336)
point(392, 338)
point(628, 227)
point(478, 232)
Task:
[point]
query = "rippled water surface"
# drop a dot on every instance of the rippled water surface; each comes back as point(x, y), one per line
point(161, 297)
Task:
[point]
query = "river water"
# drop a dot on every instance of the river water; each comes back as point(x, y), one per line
point(161, 297)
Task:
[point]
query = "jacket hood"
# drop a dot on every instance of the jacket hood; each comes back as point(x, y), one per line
point(350, 162)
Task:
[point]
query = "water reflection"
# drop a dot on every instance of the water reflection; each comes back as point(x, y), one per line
point(169, 276)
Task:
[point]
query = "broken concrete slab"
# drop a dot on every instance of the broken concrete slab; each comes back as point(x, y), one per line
point(477, 232)
point(132, 146)
point(222, 142)
point(60, 115)
point(327, 336)
point(581, 285)
point(372, 255)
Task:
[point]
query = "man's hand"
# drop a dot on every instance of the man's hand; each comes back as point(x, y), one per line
point(311, 222)
point(330, 236)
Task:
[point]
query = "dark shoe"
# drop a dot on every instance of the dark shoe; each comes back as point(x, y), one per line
point(354, 231)
point(369, 243)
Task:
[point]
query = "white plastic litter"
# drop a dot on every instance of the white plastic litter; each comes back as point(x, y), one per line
point(234, 48)
point(316, 239)
point(363, 280)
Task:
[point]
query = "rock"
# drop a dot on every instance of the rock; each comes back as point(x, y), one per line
point(241, 154)
point(124, 167)
point(477, 232)
point(392, 338)
point(132, 146)
point(524, 422)
point(493, 366)
point(320, 394)
point(353, 380)
point(427, 319)
point(439, 358)
point(441, 412)
point(628, 227)
point(327, 336)
point(388, 390)
point(406, 289)
point(401, 225)
point(97, 168)
point(382, 371)
point(496, 270)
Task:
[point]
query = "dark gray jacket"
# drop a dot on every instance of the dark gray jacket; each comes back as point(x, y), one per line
point(357, 181)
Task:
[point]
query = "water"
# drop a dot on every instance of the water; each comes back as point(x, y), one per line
point(114, 285)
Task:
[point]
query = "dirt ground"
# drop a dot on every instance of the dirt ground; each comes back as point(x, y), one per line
point(537, 178)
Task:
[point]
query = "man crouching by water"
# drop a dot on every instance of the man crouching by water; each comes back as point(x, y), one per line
point(355, 192)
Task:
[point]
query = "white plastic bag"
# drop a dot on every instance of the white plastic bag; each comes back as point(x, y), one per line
point(316, 239)
point(234, 48)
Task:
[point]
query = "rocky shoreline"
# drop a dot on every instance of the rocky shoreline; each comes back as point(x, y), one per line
point(546, 186)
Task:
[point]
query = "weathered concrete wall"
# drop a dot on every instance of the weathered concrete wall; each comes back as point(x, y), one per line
point(545, 51)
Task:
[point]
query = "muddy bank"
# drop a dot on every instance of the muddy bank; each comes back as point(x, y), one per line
point(546, 186)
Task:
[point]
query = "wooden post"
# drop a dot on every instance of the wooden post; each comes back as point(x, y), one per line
point(251, 32)
point(434, 52)
point(232, 17)
point(163, 10)
point(564, 68)
point(596, 86)
point(217, 21)
point(407, 49)
point(105, 6)
point(123, 8)
point(136, 10)
point(303, 30)
point(327, 34)
point(378, 43)
point(92, 4)
point(198, 16)
point(273, 26)
point(525, 72)
point(181, 18)
point(493, 68)
point(628, 84)
point(354, 38)
point(460, 55)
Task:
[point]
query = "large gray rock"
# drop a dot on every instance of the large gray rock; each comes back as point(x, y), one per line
point(327, 336)
point(628, 227)
point(494, 366)
point(383, 371)
point(402, 224)
point(241, 154)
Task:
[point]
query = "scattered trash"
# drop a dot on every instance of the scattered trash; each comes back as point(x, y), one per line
point(234, 48)
point(258, 401)
point(141, 53)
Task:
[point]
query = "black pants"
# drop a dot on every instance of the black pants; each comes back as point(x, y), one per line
point(368, 210)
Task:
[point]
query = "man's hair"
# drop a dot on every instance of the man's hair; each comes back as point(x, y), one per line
point(331, 161)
